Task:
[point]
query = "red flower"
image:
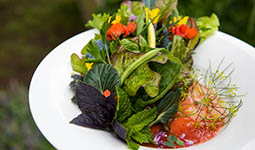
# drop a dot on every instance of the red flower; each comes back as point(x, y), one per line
point(183, 31)
point(130, 28)
point(116, 30)
point(192, 33)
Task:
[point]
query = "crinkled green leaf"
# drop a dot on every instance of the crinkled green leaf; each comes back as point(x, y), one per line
point(78, 64)
point(143, 136)
point(130, 45)
point(145, 77)
point(98, 20)
point(169, 73)
point(179, 48)
point(124, 108)
point(132, 145)
point(207, 26)
point(103, 77)
point(121, 60)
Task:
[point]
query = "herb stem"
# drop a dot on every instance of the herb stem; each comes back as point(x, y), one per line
point(107, 53)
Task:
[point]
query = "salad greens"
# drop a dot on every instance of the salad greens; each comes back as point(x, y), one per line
point(135, 73)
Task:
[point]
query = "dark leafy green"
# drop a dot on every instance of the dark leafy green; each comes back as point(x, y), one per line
point(119, 130)
point(103, 77)
point(97, 111)
point(167, 107)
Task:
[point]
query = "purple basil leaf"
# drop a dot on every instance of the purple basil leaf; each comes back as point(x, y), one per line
point(92, 103)
point(119, 130)
point(86, 121)
point(88, 97)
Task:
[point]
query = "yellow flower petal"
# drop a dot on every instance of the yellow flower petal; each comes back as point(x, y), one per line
point(89, 65)
point(117, 19)
point(154, 14)
point(183, 20)
point(147, 12)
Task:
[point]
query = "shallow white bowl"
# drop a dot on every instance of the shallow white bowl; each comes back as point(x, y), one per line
point(52, 109)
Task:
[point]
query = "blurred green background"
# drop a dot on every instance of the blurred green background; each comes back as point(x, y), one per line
point(30, 29)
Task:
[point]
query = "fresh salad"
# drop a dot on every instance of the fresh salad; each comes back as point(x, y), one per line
point(136, 79)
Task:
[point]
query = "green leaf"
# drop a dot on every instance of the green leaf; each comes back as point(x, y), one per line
point(123, 59)
point(130, 45)
point(166, 8)
point(179, 48)
point(140, 22)
point(169, 73)
point(141, 60)
point(171, 139)
point(143, 43)
point(132, 145)
point(102, 77)
point(137, 8)
point(124, 12)
point(97, 21)
point(78, 64)
point(167, 107)
point(143, 76)
point(123, 105)
point(149, 3)
point(113, 47)
point(211, 24)
point(179, 142)
point(94, 50)
point(143, 136)
point(103, 31)
point(141, 119)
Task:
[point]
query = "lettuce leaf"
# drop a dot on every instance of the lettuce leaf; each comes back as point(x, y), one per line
point(145, 77)
point(78, 64)
point(207, 26)
point(97, 21)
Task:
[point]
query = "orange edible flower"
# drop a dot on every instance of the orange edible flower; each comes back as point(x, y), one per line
point(130, 28)
point(183, 31)
point(116, 30)
point(107, 93)
point(192, 33)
